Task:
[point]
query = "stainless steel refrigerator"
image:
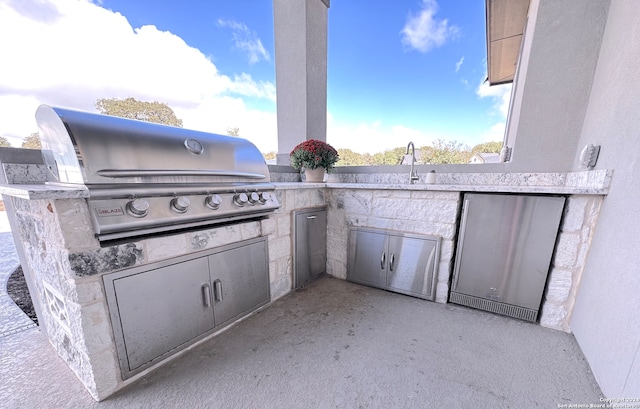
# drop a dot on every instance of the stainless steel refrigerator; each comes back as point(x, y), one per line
point(504, 250)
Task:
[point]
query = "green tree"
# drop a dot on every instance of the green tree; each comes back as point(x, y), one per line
point(351, 158)
point(156, 112)
point(389, 157)
point(233, 131)
point(4, 142)
point(487, 147)
point(32, 141)
point(445, 152)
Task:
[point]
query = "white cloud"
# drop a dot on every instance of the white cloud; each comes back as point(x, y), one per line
point(459, 64)
point(243, 84)
point(246, 40)
point(38, 10)
point(423, 31)
point(374, 137)
point(71, 52)
point(501, 97)
point(500, 94)
point(495, 133)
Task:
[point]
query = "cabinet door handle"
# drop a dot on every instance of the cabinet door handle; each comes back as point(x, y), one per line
point(217, 290)
point(382, 259)
point(206, 295)
point(311, 217)
point(392, 259)
point(461, 235)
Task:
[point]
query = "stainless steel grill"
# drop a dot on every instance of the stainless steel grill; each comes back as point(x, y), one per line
point(145, 178)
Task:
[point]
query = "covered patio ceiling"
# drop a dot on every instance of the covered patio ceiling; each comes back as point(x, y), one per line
point(506, 20)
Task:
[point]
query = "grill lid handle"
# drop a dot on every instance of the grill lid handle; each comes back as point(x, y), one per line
point(125, 173)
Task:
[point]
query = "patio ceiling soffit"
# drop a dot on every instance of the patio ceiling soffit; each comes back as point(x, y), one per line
point(506, 20)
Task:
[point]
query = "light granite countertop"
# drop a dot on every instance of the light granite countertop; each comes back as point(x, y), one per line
point(572, 183)
point(595, 182)
point(39, 192)
point(557, 190)
point(44, 191)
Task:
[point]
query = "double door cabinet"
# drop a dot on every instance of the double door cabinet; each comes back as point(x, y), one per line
point(160, 309)
point(400, 262)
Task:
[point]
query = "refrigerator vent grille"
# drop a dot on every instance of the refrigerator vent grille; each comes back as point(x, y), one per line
point(493, 306)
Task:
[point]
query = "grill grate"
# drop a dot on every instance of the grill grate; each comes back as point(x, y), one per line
point(493, 306)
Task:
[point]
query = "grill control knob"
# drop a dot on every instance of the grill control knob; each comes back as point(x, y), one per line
point(213, 202)
point(180, 204)
point(138, 207)
point(254, 197)
point(240, 199)
point(264, 197)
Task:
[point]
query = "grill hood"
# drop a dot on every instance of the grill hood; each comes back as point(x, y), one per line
point(93, 149)
point(145, 178)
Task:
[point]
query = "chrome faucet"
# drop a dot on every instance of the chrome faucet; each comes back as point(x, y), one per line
point(413, 175)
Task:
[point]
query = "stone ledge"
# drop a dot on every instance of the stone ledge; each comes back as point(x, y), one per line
point(38, 192)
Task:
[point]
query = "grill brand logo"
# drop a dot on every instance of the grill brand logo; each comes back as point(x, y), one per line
point(109, 211)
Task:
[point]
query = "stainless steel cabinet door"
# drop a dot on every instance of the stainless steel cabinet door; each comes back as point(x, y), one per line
point(162, 309)
point(367, 262)
point(410, 261)
point(240, 280)
point(310, 246)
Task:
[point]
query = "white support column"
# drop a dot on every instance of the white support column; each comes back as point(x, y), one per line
point(301, 72)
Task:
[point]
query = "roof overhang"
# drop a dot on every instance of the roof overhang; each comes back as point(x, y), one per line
point(506, 20)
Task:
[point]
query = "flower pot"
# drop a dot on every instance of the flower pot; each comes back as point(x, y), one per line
point(314, 175)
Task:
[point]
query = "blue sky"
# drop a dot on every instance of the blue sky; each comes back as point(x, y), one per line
point(425, 85)
point(397, 71)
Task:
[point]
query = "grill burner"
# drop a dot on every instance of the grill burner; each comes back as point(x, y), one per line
point(147, 178)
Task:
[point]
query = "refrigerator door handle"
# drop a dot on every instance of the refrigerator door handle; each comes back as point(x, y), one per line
point(463, 226)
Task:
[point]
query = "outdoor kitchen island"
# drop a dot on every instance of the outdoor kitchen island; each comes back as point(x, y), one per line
point(68, 263)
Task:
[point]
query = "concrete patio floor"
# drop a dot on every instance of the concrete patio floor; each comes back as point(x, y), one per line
point(12, 319)
point(333, 345)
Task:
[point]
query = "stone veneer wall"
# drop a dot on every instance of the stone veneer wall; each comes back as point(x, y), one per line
point(434, 212)
point(68, 264)
point(420, 212)
point(572, 246)
point(279, 228)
